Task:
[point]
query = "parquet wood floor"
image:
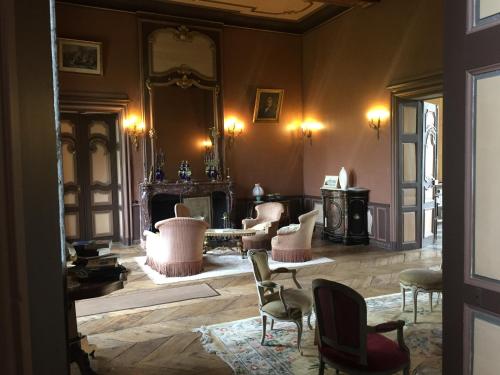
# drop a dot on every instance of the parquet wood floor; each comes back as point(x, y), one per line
point(159, 339)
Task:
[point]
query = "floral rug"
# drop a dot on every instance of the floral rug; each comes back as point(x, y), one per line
point(238, 342)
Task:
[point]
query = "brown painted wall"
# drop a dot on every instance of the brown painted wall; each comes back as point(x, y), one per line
point(118, 33)
point(266, 153)
point(347, 65)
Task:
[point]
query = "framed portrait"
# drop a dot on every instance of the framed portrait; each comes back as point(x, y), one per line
point(79, 56)
point(268, 105)
point(331, 182)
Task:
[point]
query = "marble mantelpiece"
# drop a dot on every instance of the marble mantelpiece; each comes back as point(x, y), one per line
point(182, 190)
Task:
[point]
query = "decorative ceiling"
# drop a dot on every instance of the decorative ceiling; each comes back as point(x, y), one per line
point(293, 16)
point(289, 10)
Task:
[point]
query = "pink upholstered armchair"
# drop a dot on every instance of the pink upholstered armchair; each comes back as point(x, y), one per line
point(293, 243)
point(268, 217)
point(177, 250)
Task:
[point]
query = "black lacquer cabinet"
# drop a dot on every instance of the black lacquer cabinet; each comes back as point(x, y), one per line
point(345, 215)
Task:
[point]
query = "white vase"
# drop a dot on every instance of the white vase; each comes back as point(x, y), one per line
point(343, 178)
point(257, 192)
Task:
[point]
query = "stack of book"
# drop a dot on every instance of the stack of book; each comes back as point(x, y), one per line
point(92, 248)
point(96, 263)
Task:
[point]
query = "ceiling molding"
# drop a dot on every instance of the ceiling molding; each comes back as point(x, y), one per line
point(317, 17)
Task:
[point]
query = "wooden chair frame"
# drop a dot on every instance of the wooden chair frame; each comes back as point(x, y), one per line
point(364, 329)
point(264, 286)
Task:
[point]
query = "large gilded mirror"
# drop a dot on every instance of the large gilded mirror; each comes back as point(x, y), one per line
point(183, 101)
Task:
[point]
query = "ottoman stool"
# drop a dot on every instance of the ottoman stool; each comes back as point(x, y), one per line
point(420, 280)
point(258, 241)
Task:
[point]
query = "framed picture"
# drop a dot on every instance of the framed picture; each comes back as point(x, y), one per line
point(79, 56)
point(331, 182)
point(268, 105)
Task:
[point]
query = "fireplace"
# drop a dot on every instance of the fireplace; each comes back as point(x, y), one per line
point(162, 207)
point(209, 199)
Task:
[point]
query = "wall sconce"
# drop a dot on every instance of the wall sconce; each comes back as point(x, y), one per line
point(375, 117)
point(134, 129)
point(207, 144)
point(233, 128)
point(308, 128)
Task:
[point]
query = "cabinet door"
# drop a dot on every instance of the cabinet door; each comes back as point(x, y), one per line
point(335, 214)
point(357, 216)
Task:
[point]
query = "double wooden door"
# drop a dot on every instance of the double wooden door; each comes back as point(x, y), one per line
point(90, 176)
point(417, 131)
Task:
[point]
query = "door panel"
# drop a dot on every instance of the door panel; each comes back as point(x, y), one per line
point(429, 165)
point(73, 214)
point(90, 176)
point(483, 257)
point(471, 303)
point(410, 187)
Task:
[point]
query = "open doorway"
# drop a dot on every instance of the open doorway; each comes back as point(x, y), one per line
point(418, 171)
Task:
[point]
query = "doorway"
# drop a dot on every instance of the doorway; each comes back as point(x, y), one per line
point(90, 176)
point(418, 171)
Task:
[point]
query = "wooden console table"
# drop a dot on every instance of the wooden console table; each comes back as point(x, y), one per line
point(77, 291)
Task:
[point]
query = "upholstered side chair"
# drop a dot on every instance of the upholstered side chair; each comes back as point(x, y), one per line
point(420, 280)
point(181, 210)
point(293, 243)
point(346, 342)
point(177, 250)
point(266, 223)
point(276, 302)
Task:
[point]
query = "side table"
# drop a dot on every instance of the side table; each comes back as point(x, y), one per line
point(77, 291)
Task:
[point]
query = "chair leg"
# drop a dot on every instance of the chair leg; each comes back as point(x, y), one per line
point(299, 333)
point(309, 321)
point(403, 294)
point(264, 322)
point(430, 299)
point(272, 324)
point(406, 371)
point(321, 367)
point(415, 295)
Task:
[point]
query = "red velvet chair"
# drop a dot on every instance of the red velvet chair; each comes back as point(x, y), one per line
point(346, 342)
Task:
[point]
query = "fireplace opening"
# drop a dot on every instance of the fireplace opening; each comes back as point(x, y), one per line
point(162, 207)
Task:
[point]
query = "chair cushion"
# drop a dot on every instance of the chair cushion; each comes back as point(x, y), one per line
point(422, 278)
point(383, 354)
point(261, 226)
point(289, 229)
point(298, 301)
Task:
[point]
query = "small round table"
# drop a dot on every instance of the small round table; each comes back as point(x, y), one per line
point(229, 233)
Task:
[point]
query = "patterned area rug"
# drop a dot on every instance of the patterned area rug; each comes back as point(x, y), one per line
point(238, 342)
point(221, 262)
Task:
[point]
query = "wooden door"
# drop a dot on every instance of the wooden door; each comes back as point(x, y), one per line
point(409, 149)
point(429, 171)
point(90, 176)
point(471, 255)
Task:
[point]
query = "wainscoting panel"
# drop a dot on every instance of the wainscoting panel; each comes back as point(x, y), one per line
point(379, 224)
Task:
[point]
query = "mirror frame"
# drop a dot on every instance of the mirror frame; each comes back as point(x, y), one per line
point(184, 78)
point(184, 83)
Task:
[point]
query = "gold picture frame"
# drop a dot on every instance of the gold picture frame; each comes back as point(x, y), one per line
point(268, 104)
point(79, 56)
